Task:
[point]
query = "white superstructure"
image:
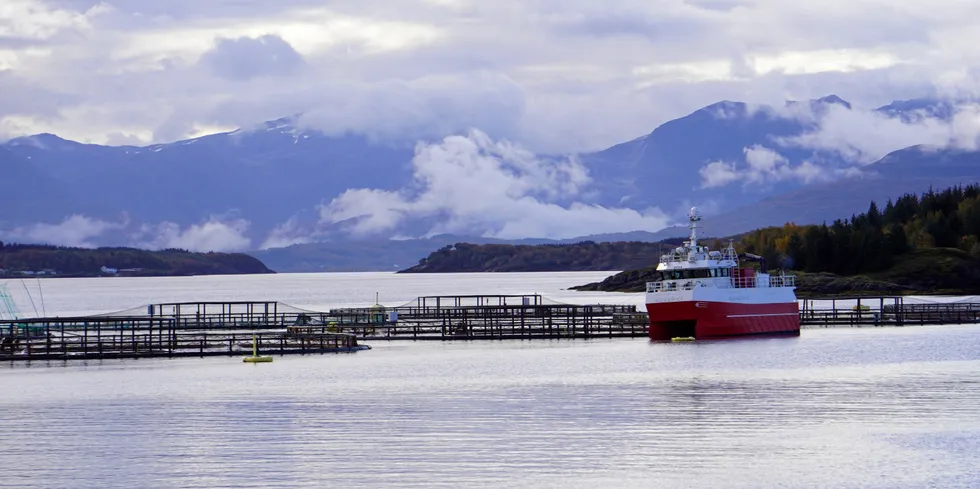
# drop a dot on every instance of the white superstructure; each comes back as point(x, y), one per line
point(693, 266)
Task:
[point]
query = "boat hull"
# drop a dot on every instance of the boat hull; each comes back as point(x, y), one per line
point(714, 317)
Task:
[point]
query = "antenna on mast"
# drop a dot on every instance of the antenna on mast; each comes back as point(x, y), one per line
point(694, 216)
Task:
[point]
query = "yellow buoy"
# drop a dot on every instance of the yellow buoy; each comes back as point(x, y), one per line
point(255, 358)
point(683, 338)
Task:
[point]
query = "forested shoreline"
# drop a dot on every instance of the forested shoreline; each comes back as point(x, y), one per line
point(19, 260)
point(928, 243)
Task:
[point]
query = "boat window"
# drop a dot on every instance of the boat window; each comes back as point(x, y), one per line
point(693, 273)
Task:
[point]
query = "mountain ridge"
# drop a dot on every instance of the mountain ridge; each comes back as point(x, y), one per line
point(277, 174)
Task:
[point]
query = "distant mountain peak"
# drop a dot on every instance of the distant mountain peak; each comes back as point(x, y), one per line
point(725, 108)
point(821, 103)
point(915, 110)
point(834, 99)
point(43, 140)
point(282, 122)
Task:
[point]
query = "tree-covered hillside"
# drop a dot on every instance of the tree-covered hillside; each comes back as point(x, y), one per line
point(18, 259)
point(586, 255)
point(917, 243)
point(872, 241)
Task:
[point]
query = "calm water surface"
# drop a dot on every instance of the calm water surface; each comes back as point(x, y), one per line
point(875, 408)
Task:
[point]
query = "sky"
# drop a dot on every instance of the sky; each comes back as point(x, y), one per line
point(487, 85)
point(555, 76)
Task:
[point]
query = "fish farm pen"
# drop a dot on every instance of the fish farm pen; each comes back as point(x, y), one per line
point(885, 311)
point(497, 317)
point(228, 328)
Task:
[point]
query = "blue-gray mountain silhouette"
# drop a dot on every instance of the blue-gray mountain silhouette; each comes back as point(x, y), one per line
point(264, 175)
point(277, 171)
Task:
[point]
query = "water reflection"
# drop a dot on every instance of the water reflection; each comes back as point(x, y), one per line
point(870, 408)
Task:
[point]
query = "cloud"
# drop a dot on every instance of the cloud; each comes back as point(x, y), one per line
point(120, 139)
point(36, 20)
point(211, 235)
point(287, 234)
point(765, 165)
point(245, 58)
point(428, 107)
point(718, 174)
point(473, 184)
point(555, 76)
point(862, 136)
point(75, 230)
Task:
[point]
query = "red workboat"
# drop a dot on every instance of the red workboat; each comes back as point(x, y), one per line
point(704, 293)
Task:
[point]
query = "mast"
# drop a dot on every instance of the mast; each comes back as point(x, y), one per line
point(694, 216)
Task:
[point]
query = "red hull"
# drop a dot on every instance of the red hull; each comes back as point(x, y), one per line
point(702, 319)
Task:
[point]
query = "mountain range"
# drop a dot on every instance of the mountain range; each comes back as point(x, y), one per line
point(746, 166)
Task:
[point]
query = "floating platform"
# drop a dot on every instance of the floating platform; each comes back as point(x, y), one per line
point(257, 359)
point(170, 330)
point(228, 328)
point(885, 311)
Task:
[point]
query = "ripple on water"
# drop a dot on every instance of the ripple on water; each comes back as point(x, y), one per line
point(878, 408)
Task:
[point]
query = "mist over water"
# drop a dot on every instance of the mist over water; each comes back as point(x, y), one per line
point(875, 407)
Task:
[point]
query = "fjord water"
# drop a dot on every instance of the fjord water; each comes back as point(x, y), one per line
point(875, 407)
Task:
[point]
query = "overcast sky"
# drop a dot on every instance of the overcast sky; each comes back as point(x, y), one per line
point(553, 75)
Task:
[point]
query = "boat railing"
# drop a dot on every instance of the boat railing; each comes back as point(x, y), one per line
point(782, 281)
point(674, 285)
point(729, 254)
point(770, 282)
point(734, 282)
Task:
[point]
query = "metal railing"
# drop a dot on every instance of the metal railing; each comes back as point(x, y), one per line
point(675, 257)
point(675, 285)
point(734, 282)
point(782, 281)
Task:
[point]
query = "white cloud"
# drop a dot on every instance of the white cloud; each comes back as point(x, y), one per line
point(862, 136)
point(762, 160)
point(35, 20)
point(287, 234)
point(823, 60)
point(428, 107)
point(211, 235)
point(471, 183)
point(582, 75)
point(763, 166)
point(76, 230)
point(718, 174)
